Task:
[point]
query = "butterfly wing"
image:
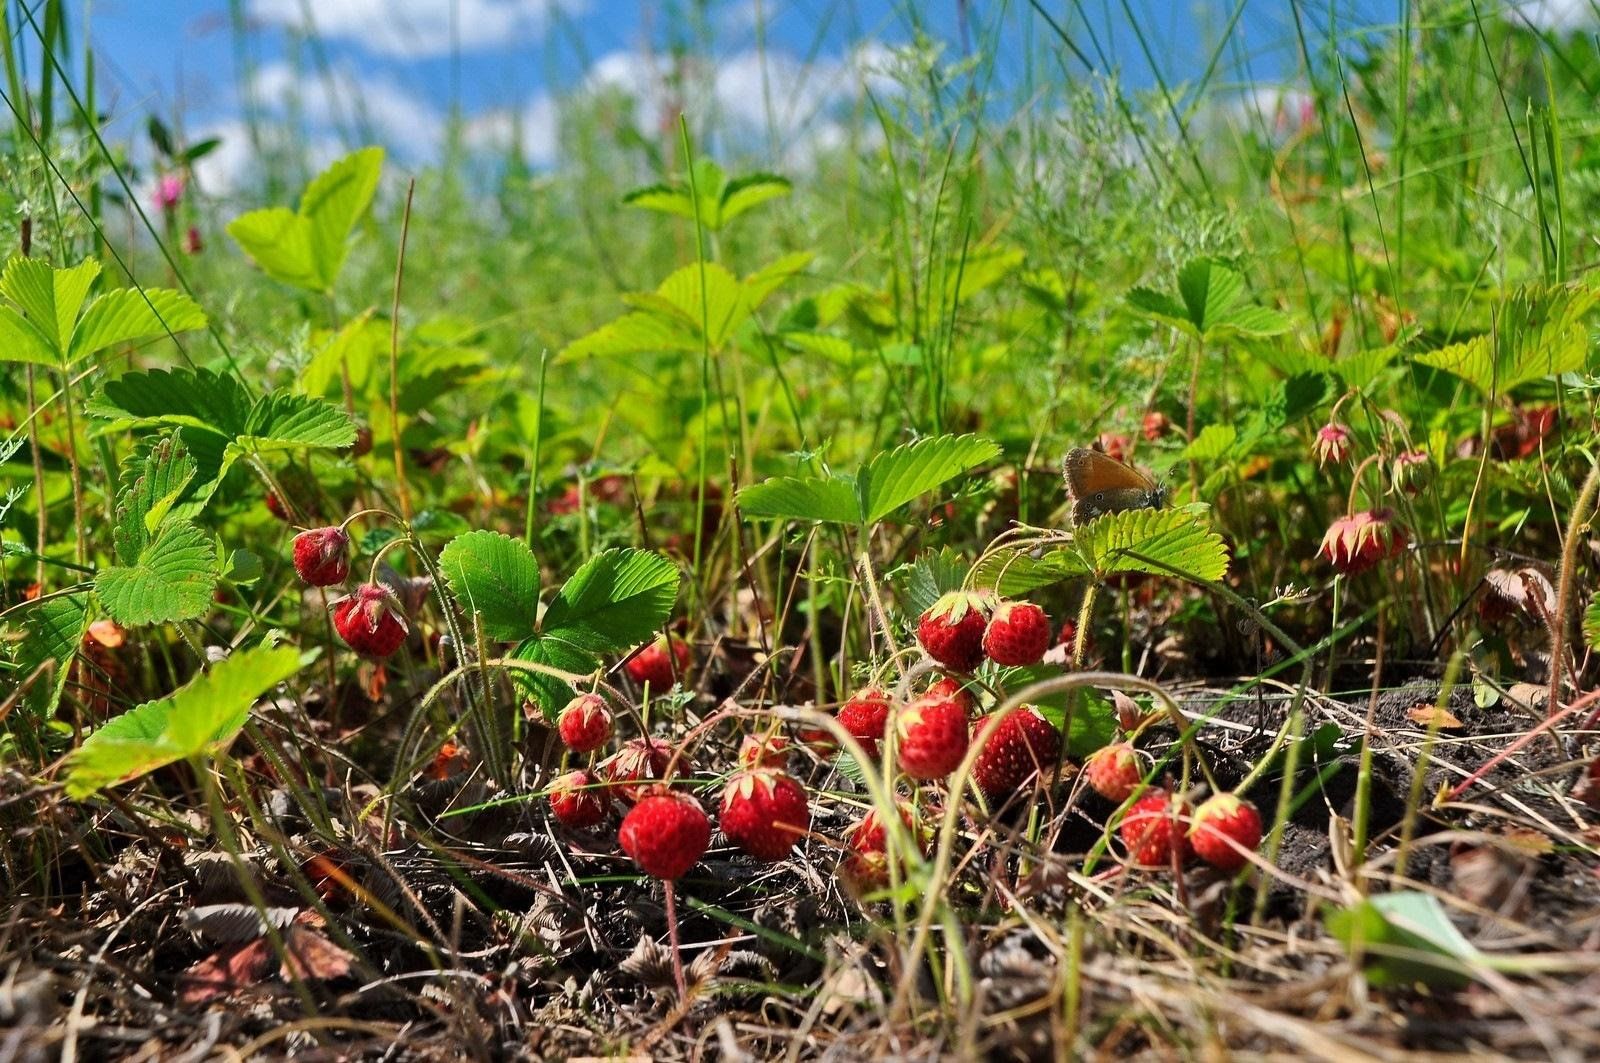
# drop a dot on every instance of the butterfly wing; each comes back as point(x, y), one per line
point(1099, 484)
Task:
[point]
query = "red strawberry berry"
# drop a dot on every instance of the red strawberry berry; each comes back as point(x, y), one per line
point(577, 802)
point(951, 687)
point(653, 665)
point(666, 833)
point(1223, 819)
point(1153, 826)
point(932, 735)
point(276, 507)
point(1018, 634)
point(864, 716)
point(766, 751)
point(640, 762)
point(764, 813)
point(585, 723)
point(1358, 542)
point(370, 620)
point(952, 630)
point(1114, 771)
point(1024, 742)
point(865, 867)
point(322, 556)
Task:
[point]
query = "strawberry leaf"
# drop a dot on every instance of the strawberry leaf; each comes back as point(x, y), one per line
point(198, 719)
point(618, 599)
point(172, 578)
point(495, 578)
point(832, 499)
point(548, 692)
point(1155, 541)
point(891, 480)
point(307, 248)
point(50, 630)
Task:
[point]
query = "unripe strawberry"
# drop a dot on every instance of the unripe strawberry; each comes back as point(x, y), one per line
point(1223, 819)
point(577, 801)
point(932, 736)
point(765, 751)
point(585, 723)
point(1017, 635)
point(1357, 542)
point(951, 631)
point(654, 665)
point(322, 556)
point(666, 833)
point(370, 620)
point(1332, 443)
point(1024, 743)
point(1153, 827)
point(865, 716)
point(1114, 771)
point(764, 813)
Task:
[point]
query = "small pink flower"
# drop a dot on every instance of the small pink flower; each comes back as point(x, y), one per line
point(1357, 542)
point(169, 192)
point(1332, 443)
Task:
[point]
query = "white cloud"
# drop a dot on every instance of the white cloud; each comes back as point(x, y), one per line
point(419, 27)
point(343, 101)
point(1555, 16)
point(536, 126)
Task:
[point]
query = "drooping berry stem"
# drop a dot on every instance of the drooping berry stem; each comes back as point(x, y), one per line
point(672, 937)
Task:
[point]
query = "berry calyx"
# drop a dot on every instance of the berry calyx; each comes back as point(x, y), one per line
point(951, 631)
point(576, 800)
point(370, 620)
point(639, 763)
point(1220, 823)
point(932, 736)
point(1017, 635)
point(764, 812)
point(666, 833)
point(764, 751)
point(1359, 541)
point(585, 723)
point(1154, 828)
point(660, 664)
point(322, 556)
point(1114, 771)
point(1010, 753)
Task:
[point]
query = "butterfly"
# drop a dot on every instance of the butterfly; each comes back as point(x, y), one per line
point(1098, 484)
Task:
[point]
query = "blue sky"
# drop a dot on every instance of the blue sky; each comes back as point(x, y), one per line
point(392, 63)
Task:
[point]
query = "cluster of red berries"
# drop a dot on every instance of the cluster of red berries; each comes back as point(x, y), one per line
point(963, 627)
point(764, 810)
point(370, 619)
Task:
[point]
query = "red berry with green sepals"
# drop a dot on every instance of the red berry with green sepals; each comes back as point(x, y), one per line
point(764, 751)
point(370, 620)
point(1154, 827)
point(1114, 771)
point(660, 664)
point(585, 723)
point(1219, 821)
point(1018, 634)
point(1010, 753)
point(666, 833)
point(865, 716)
point(764, 812)
point(953, 688)
point(865, 867)
point(322, 556)
point(951, 631)
point(577, 801)
point(932, 736)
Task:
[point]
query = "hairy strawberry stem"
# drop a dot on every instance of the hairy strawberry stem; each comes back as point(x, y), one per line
point(1582, 509)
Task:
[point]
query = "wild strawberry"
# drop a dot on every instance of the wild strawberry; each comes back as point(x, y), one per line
point(1332, 443)
point(653, 664)
point(1153, 827)
point(764, 813)
point(766, 751)
point(666, 833)
point(1023, 743)
point(1221, 820)
point(1359, 541)
point(1114, 771)
point(953, 689)
point(640, 762)
point(1155, 425)
point(322, 556)
point(952, 630)
point(370, 620)
point(585, 723)
point(276, 507)
point(1412, 471)
point(932, 736)
point(577, 801)
point(865, 867)
point(1017, 635)
point(1116, 445)
point(864, 716)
